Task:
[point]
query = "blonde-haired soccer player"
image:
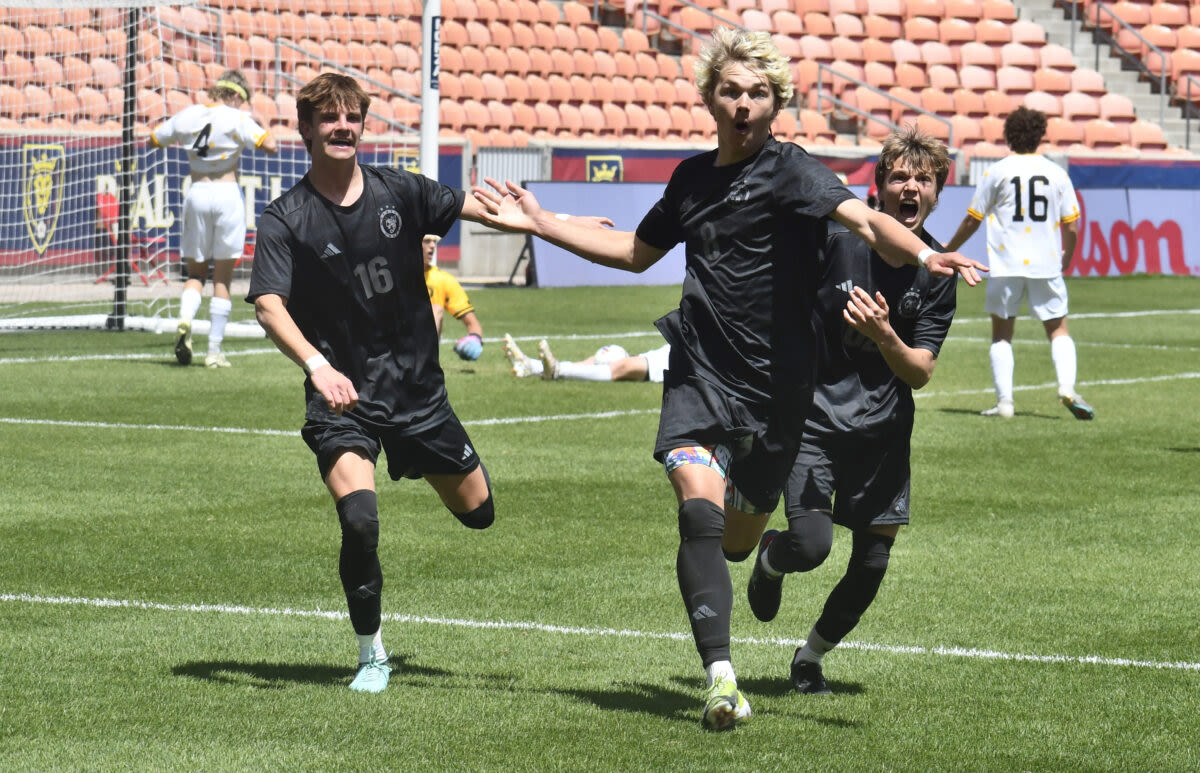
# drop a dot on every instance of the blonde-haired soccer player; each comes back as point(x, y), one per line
point(752, 215)
point(1033, 226)
point(214, 215)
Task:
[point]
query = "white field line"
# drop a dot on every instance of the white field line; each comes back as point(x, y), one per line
point(513, 625)
point(541, 419)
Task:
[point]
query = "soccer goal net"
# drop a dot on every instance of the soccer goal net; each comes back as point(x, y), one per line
point(90, 210)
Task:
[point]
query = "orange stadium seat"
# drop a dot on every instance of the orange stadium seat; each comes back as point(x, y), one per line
point(93, 105)
point(819, 24)
point(879, 75)
point(969, 103)
point(919, 29)
point(1000, 10)
point(1063, 133)
point(1117, 108)
point(992, 126)
point(1056, 57)
point(911, 76)
point(1146, 135)
point(935, 52)
point(848, 26)
point(847, 50)
point(943, 77)
point(935, 10)
point(1019, 55)
point(882, 27)
point(1100, 134)
point(979, 54)
point(788, 23)
point(1014, 81)
point(1028, 32)
point(1051, 81)
point(937, 101)
point(1046, 103)
point(1077, 106)
point(1088, 81)
point(1168, 14)
point(993, 32)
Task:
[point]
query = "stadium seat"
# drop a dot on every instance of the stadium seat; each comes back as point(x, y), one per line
point(818, 24)
point(787, 23)
point(105, 73)
point(919, 29)
point(993, 32)
point(1019, 55)
point(1184, 62)
point(992, 127)
point(879, 75)
point(1117, 108)
point(622, 89)
point(1165, 40)
point(1000, 10)
point(1014, 81)
point(1056, 57)
point(1051, 81)
point(937, 101)
point(977, 79)
point(1078, 106)
point(1168, 14)
point(93, 105)
point(999, 103)
point(848, 26)
point(906, 104)
point(847, 50)
point(943, 77)
point(1146, 135)
point(1134, 14)
point(882, 28)
point(1046, 103)
point(1088, 81)
point(1063, 133)
point(934, 10)
point(935, 52)
point(979, 55)
point(911, 76)
point(969, 103)
point(1100, 134)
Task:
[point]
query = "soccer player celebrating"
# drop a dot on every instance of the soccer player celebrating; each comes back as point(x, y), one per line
point(447, 296)
point(1033, 226)
point(337, 284)
point(879, 330)
point(735, 395)
point(214, 214)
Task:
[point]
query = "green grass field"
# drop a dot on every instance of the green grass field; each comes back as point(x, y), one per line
point(169, 596)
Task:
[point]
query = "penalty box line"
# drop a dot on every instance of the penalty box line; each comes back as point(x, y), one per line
point(514, 625)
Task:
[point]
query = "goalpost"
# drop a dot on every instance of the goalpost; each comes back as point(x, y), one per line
point(90, 211)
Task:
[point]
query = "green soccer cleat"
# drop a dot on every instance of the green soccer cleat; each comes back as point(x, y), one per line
point(724, 707)
point(183, 342)
point(372, 676)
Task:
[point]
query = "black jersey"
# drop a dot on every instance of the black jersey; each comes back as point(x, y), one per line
point(354, 281)
point(752, 231)
point(856, 390)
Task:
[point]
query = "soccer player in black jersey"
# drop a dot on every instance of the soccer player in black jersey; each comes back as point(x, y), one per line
point(338, 284)
point(879, 330)
point(740, 376)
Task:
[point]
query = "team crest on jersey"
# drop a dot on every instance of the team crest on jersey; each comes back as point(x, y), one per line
point(739, 193)
point(45, 170)
point(389, 222)
point(910, 304)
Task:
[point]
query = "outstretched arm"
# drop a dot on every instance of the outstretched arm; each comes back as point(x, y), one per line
point(272, 314)
point(509, 207)
point(899, 246)
point(966, 229)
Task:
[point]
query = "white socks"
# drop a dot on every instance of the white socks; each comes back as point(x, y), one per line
point(578, 371)
point(189, 304)
point(719, 669)
point(1001, 356)
point(1062, 351)
point(218, 311)
point(814, 649)
point(370, 647)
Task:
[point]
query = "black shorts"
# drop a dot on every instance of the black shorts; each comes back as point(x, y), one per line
point(864, 481)
point(443, 449)
point(698, 413)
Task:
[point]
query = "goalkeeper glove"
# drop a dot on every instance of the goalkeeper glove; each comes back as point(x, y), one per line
point(469, 347)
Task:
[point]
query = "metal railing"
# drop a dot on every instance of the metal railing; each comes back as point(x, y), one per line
point(821, 94)
point(1188, 104)
point(1101, 36)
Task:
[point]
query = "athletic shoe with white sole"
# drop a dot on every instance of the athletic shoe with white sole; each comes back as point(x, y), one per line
point(183, 342)
point(1078, 407)
point(372, 675)
point(724, 706)
point(549, 361)
point(1003, 409)
point(764, 592)
point(216, 360)
point(808, 679)
point(517, 358)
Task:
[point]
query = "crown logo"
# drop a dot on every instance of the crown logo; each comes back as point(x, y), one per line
point(604, 173)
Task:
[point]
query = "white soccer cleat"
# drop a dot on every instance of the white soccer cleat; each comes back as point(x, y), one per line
point(1078, 407)
point(216, 360)
point(549, 361)
point(1003, 409)
point(516, 358)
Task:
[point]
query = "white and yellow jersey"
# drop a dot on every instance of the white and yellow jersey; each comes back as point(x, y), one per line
point(215, 136)
point(1024, 200)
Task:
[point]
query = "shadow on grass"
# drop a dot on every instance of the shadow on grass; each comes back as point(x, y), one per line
point(997, 420)
point(683, 703)
point(275, 676)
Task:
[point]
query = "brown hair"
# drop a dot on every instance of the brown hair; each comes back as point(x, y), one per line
point(329, 89)
point(1024, 129)
point(921, 151)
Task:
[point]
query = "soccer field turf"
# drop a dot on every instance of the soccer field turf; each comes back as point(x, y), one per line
point(169, 596)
